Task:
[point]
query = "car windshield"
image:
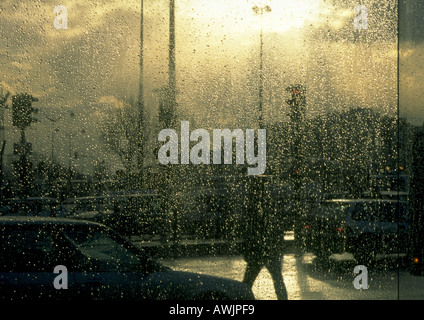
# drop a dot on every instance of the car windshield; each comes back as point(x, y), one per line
point(105, 252)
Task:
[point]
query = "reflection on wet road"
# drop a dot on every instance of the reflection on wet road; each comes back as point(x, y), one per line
point(308, 279)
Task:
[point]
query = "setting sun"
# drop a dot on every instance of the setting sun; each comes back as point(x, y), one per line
point(238, 16)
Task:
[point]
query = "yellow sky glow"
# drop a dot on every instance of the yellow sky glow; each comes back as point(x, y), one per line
point(285, 14)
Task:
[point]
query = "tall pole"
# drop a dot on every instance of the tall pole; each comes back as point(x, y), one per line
point(3, 99)
point(172, 103)
point(140, 125)
point(172, 73)
point(261, 76)
point(297, 105)
point(172, 77)
point(168, 95)
point(258, 184)
point(260, 11)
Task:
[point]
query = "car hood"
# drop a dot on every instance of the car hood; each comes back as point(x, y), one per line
point(181, 285)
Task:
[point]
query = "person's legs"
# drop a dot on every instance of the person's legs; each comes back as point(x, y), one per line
point(252, 270)
point(274, 267)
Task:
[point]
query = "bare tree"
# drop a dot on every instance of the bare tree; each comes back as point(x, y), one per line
point(119, 131)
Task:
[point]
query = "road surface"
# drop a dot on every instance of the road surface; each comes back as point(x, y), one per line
point(308, 279)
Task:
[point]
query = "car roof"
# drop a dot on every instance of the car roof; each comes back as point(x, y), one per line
point(31, 199)
point(363, 200)
point(31, 220)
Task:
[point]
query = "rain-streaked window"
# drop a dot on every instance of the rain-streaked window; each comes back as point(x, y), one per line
point(275, 143)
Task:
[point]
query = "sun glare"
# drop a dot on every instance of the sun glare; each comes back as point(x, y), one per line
point(238, 16)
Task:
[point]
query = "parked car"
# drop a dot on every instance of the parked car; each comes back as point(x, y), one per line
point(100, 264)
point(35, 206)
point(364, 227)
point(134, 213)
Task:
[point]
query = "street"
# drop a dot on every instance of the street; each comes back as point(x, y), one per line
point(306, 279)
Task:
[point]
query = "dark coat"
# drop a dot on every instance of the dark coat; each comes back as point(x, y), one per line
point(263, 225)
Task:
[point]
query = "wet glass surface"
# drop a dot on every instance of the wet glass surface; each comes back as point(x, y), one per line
point(214, 133)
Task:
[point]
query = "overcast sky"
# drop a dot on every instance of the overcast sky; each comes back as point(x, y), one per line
point(89, 68)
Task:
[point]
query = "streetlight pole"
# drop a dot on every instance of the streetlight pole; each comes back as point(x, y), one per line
point(297, 105)
point(258, 184)
point(172, 72)
point(3, 99)
point(261, 10)
point(141, 124)
point(171, 108)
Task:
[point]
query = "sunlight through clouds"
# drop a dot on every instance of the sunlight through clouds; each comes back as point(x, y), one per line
point(217, 46)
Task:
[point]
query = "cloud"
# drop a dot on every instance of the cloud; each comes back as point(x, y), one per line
point(96, 59)
point(112, 101)
point(20, 65)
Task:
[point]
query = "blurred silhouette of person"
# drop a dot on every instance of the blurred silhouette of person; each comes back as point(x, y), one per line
point(262, 232)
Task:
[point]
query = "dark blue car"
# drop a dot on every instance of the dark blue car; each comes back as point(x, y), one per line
point(58, 258)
